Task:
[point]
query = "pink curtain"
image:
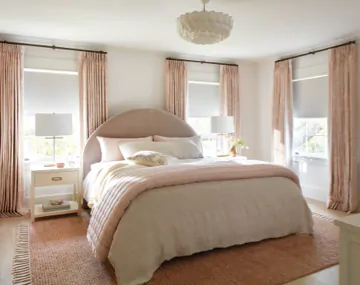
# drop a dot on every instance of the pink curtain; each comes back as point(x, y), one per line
point(11, 161)
point(230, 94)
point(176, 87)
point(282, 114)
point(343, 124)
point(92, 93)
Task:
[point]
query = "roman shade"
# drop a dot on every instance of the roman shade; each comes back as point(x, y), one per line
point(203, 100)
point(50, 93)
point(311, 98)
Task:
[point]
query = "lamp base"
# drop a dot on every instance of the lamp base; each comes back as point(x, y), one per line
point(222, 155)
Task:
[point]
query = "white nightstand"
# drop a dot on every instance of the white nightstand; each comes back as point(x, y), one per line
point(349, 249)
point(50, 176)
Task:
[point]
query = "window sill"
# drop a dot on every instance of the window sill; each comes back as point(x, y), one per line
point(299, 158)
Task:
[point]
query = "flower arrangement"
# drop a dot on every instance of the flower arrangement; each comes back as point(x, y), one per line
point(235, 143)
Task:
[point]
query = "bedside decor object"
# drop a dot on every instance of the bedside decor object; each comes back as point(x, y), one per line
point(51, 206)
point(222, 126)
point(205, 27)
point(53, 126)
point(52, 177)
point(60, 165)
point(236, 143)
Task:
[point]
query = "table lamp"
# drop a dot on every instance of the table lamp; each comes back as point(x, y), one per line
point(222, 126)
point(53, 126)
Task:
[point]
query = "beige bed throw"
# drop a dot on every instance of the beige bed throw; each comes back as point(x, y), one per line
point(127, 185)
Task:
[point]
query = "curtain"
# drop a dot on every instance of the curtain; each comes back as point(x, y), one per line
point(11, 161)
point(176, 87)
point(92, 93)
point(282, 124)
point(230, 94)
point(343, 117)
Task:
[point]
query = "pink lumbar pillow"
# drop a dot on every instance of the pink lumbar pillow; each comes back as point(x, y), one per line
point(195, 139)
point(110, 150)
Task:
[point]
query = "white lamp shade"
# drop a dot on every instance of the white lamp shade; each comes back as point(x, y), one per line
point(53, 125)
point(222, 124)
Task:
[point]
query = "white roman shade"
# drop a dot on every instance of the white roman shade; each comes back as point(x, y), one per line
point(50, 93)
point(311, 98)
point(310, 86)
point(203, 100)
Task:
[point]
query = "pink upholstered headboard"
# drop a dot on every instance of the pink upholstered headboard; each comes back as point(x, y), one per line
point(134, 124)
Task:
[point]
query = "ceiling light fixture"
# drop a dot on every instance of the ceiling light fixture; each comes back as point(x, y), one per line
point(205, 27)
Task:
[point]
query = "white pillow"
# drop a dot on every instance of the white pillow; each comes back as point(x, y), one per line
point(151, 158)
point(110, 150)
point(195, 139)
point(180, 149)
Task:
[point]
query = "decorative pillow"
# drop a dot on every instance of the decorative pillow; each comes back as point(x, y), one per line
point(110, 150)
point(196, 140)
point(179, 149)
point(150, 158)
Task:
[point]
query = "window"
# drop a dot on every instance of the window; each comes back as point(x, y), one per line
point(203, 102)
point(310, 117)
point(310, 137)
point(49, 92)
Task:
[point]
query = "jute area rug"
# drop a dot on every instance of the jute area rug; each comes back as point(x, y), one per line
point(60, 255)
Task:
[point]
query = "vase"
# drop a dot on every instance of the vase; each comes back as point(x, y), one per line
point(233, 151)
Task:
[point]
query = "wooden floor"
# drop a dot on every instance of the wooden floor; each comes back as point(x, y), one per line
point(8, 237)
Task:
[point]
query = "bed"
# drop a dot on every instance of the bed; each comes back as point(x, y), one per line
point(147, 215)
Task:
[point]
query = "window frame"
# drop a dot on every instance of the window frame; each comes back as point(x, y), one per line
point(309, 155)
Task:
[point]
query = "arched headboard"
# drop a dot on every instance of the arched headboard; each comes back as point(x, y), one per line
point(134, 124)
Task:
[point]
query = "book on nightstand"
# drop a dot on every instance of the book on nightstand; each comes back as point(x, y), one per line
point(50, 206)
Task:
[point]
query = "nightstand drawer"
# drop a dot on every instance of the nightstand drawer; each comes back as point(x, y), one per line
point(57, 178)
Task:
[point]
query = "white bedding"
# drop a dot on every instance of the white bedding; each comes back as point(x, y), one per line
point(91, 187)
point(181, 220)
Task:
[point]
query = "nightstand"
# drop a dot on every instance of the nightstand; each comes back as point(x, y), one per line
point(50, 176)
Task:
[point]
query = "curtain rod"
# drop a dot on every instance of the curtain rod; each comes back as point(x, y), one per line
point(202, 62)
point(52, 47)
point(316, 51)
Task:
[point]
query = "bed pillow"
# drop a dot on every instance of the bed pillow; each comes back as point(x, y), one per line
point(179, 149)
point(110, 150)
point(151, 158)
point(195, 139)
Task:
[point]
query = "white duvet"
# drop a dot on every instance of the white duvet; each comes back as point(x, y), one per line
point(182, 220)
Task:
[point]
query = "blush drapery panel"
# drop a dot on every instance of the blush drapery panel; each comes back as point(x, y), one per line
point(92, 93)
point(230, 94)
point(343, 124)
point(176, 87)
point(282, 123)
point(11, 161)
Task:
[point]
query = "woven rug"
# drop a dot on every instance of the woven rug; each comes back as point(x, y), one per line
point(60, 255)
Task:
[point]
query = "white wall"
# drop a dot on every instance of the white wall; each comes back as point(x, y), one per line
point(265, 77)
point(135, 80)
point(249, 105)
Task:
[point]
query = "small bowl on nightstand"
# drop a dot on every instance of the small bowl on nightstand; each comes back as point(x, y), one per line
point(60, 165)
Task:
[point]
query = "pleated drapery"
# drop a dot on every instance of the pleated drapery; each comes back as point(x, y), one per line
point(176, 87)
point(92, 93)
point(11, 160)
point(282, 124)
point(343, 128)
point(230, 94)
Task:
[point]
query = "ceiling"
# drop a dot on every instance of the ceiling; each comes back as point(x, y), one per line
point(261, 27)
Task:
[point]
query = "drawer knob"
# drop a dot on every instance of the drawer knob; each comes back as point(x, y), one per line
point(56, 178)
